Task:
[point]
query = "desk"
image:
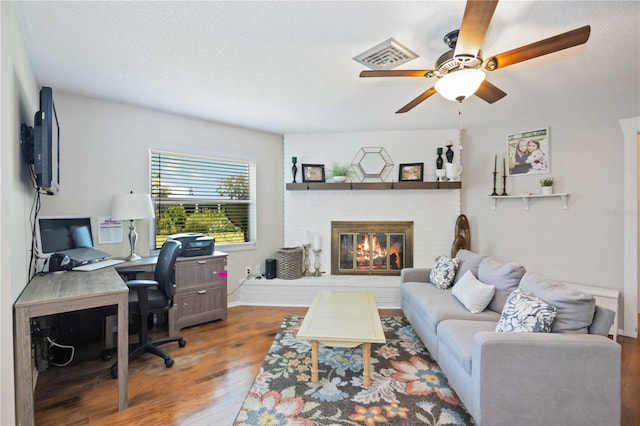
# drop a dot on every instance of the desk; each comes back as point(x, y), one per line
point(56, 293)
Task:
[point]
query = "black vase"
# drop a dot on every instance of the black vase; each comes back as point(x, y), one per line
point(439, 160)
point(449, 154)
point(294, 171)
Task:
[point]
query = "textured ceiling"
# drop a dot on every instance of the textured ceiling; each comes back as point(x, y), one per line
point(286, 67)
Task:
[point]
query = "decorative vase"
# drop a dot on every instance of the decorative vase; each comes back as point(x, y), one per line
point(449, 154)
point(439, 160)
point(339, 179)
point(546, 190)
point(294, 168)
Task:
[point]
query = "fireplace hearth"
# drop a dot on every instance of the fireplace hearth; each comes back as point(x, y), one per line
point(371, 247)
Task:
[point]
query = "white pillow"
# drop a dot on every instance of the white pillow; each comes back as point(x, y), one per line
point(472, 293)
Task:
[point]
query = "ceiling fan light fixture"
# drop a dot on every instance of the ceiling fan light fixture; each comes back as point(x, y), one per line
point(460, 84)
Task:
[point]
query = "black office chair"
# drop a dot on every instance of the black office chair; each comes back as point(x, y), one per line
point(151, 296)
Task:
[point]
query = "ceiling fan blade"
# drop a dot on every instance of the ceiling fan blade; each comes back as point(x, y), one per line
point(476, 20)
point(539, 48)
point(395, 73)
point(489, 93)
point(417, 101)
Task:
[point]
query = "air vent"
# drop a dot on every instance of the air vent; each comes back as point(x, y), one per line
point(386, 55)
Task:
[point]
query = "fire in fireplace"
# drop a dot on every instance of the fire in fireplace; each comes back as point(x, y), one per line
point(371, 248)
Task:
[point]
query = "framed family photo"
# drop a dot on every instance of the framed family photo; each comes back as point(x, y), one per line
point(313, 173)
point(412, 172)
point(528, 152)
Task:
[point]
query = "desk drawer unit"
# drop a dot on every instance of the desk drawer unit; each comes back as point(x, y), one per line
point(201, 291)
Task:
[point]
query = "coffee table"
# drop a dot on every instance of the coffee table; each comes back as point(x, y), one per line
point(343, 319)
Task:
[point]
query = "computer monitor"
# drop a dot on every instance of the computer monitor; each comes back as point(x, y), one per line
point(56, 234)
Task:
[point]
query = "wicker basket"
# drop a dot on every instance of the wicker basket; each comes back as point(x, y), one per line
point(289, 263)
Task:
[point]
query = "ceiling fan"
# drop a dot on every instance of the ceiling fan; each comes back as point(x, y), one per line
point(460, 71)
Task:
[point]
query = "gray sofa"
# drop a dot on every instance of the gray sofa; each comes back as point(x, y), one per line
point(570, 376)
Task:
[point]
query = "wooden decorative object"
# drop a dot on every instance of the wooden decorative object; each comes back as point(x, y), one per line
point(462, 235)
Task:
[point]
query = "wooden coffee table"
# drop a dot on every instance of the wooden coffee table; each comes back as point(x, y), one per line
point(342, 319)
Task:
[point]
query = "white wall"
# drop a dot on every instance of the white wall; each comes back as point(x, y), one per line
point(433, 212)
point(18, 103)
point(583, 244)
point(105, 150)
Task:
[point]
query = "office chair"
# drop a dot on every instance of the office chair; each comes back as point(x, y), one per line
point(151, 296)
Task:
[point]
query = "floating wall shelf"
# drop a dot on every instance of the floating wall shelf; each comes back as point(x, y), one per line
point(526, 198)
point(347, 186)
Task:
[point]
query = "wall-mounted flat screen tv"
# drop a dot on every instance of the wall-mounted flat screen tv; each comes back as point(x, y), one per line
point(41, 145)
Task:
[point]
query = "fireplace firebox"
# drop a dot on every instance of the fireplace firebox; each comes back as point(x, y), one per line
point(371, 248)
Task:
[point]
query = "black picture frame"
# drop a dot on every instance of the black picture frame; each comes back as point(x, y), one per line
point(313, 173)
point(411, 172)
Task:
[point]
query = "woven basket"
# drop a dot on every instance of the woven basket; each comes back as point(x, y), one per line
point(289, 263)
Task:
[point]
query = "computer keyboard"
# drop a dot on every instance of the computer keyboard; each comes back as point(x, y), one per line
point(98, 265)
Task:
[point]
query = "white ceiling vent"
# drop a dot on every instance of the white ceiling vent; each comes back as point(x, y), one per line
point(386, 55)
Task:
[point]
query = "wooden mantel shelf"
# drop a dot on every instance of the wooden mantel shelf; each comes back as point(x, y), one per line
point(321, 186)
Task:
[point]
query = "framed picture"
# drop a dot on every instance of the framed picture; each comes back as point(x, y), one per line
point(412, 172)
point(528, 153)
point(313, 173)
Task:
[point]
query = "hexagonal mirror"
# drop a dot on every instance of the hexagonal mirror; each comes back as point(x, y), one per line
point(372, 163)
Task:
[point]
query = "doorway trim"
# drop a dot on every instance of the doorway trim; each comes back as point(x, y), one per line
point(631, 132)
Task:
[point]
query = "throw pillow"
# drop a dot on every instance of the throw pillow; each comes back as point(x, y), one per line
point(525, 313)
point(575, 308)
point(472, 293)
point(443, 272)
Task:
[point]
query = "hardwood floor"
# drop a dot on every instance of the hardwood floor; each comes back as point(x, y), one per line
point(210, 378)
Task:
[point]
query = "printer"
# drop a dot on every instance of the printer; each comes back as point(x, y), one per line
point(194, 244)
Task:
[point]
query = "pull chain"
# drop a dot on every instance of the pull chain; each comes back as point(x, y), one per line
point(460, 125)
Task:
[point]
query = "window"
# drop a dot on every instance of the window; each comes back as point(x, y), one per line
point(209, 195)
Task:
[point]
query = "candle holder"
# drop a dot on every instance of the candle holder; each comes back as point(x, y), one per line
point(495, 175)
point(504, 186)
point(307, 260)
point(294, 168)
point(317, 263)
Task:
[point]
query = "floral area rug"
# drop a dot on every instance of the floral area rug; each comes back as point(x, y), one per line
point(407, 386)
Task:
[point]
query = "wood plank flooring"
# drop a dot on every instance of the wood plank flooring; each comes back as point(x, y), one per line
point(210, 378)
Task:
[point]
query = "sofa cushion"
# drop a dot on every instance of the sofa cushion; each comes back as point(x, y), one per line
point(434, 305)
point(602, 321)
point(575, 308)
point(457, 336)
point(443, 272)
point(467, 261)
point(505, 277)
point(473, 294)
point(525, 313)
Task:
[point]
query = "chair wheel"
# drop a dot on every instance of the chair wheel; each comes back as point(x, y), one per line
point(114, 373)
point(106, 356)
point(168, 362)
point(182, 343)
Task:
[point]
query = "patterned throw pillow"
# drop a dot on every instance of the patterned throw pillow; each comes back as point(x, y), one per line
point(444, 271)
point(524, 313)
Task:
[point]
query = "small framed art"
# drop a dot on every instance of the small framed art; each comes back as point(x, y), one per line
point(313, 173)
point(528, 152)
point(412, 172)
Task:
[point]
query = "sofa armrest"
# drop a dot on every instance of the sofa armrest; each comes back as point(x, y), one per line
point(546, 378)
point(420, 275)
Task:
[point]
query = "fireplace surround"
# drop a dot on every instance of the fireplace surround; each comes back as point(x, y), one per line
point(371, 247)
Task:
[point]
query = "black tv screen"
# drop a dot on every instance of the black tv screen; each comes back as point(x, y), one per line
point(46, 144)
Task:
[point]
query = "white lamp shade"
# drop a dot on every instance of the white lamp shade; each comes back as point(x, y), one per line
point(460, 84)
point(132, 206)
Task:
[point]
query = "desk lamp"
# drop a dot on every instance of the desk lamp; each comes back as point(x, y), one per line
point(131, 207)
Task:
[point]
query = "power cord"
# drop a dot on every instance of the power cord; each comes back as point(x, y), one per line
point(53, 344)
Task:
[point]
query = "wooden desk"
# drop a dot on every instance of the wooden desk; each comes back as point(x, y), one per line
point(55, 293)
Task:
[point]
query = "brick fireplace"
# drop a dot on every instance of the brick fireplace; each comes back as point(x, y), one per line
point(371, 247)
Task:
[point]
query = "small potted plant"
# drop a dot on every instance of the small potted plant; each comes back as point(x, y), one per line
point(339, 173)
point(546, 186)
